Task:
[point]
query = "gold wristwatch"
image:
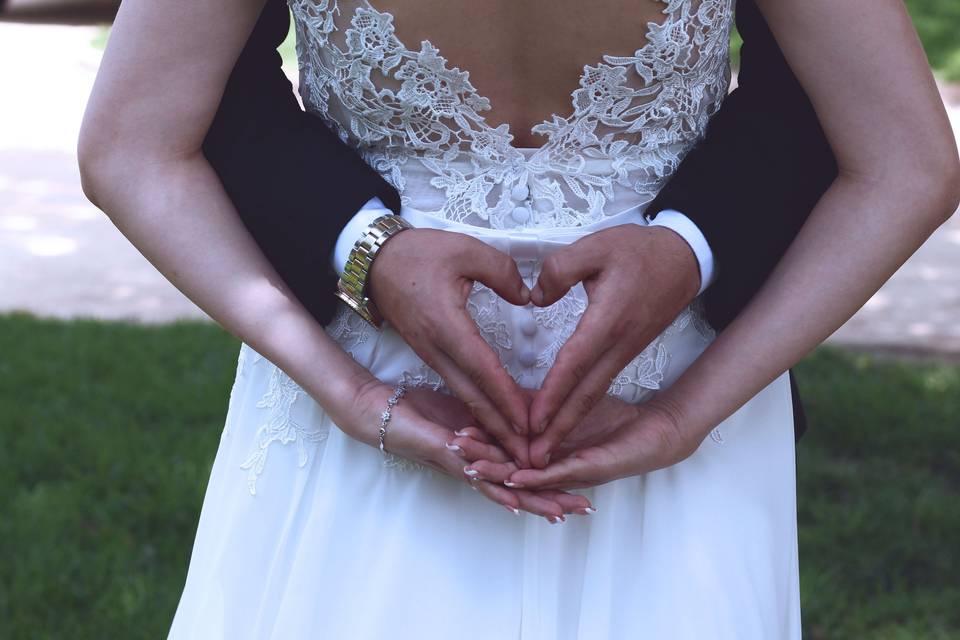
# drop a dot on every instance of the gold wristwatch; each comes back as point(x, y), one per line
point(351, 288)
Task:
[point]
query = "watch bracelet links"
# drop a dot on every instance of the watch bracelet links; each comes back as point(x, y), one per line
point(351, 286)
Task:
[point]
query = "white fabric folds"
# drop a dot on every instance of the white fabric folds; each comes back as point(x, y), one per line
point(306, 533)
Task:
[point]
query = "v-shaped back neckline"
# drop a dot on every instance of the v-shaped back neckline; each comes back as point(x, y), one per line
point(423, 126)
point(670, 7)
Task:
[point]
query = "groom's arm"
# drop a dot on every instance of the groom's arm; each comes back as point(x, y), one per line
point(293, 182)
point(751, 183)
point(296, 185)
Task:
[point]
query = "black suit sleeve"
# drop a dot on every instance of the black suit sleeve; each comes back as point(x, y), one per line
point(294, 183)
point(753, 180)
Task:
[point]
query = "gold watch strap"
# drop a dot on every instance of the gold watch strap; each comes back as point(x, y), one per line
point(351, 288)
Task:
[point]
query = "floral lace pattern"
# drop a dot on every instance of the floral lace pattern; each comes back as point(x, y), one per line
point(280, 427)
point(283, 394)
point(420, 123)
point(633, 117)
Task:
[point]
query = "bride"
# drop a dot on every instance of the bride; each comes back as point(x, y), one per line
point(681, 479)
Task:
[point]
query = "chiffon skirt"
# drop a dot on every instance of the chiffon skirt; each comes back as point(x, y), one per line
point(307, 533)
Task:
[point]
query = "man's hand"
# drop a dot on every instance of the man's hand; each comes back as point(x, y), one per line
point(420, 282)
point(637, 280)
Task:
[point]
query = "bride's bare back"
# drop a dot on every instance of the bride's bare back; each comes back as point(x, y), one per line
point(525, 57)
point(519, 116)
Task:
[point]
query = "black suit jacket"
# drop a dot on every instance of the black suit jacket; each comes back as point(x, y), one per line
point(749, 185)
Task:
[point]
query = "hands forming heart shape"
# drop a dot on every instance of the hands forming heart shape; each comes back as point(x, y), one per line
point(569, 433)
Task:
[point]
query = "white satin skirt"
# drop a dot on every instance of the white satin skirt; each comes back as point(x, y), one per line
point(307, 533)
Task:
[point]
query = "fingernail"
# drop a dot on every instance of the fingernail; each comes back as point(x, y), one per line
point(461, 433)
point(512, 485)
point(470, 472)
point(546, 459)
point(453, 447)
point(525, 293)
point(587, 511)
point(542, 426)
point(517, 429)
point(512, 510)
point(553, 519)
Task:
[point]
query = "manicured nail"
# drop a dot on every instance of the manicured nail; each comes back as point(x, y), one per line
point(462, 433)
point(587, 511)
point(553, 519)
point(512, 510)
point(470, 472)
point(453, 447)
point(512, 485)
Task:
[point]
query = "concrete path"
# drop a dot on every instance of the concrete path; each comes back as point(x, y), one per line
point(59, 256)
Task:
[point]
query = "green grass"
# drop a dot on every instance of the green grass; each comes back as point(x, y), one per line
point(108, 431)
point(938, 23)
point(106, 437)
point(879, 498)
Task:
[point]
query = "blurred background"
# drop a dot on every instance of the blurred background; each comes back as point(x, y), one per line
point(113, 390)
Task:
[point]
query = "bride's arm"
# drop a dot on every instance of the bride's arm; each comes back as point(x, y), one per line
point(864, 69)
point(141, 159)
point(141, 162)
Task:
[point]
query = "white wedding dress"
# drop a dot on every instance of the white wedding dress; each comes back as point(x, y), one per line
point(306, 533)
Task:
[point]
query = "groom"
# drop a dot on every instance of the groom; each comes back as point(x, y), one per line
point(719, 227)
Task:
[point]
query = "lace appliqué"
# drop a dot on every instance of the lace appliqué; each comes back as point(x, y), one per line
point(561, 319)
point(282, 394)
point(484, 306)
point(644, 375)
point(280, 427)
point(348, 329)
point(695, 316)
point(637, 115)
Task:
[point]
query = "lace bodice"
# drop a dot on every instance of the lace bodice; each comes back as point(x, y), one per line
point(421, 123)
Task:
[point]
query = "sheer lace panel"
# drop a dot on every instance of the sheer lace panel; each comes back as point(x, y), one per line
point(420, 122)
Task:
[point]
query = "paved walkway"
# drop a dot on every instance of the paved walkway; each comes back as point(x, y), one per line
point(59, 256)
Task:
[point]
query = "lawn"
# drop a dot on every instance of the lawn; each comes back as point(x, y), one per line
point(108, 430)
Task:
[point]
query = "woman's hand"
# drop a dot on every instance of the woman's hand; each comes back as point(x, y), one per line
point(425, 427)
point(615, 440)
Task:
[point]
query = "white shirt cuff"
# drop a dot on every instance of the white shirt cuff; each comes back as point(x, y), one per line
point(373, 209)
point(690, 232)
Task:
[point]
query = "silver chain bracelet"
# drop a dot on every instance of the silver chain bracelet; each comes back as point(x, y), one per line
point(385, 416)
